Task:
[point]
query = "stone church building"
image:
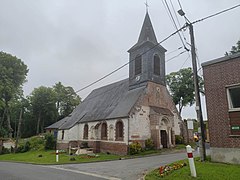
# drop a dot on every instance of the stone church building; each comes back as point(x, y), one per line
point(134, 109)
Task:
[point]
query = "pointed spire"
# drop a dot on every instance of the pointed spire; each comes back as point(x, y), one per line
point(147, 32)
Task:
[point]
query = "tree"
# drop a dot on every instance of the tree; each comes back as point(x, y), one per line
point(13, 74)
point(43, 104)
point(181, 86)
point(67, 99)
point(235, 49)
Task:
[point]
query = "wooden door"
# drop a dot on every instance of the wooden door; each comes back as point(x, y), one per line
point(164, 138)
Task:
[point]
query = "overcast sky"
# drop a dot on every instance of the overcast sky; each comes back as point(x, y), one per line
point(77, 42)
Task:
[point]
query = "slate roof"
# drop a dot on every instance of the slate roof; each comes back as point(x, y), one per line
point(222, 59)
point(108, 102)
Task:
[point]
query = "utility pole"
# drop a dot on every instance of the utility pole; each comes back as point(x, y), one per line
point(196, 87)
point(197, 95)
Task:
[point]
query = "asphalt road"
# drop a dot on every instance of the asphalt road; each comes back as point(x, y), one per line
point(19, 171)
point(129, 169)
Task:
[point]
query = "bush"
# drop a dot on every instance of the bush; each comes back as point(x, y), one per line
point(135, 148)
point(149, 145)
point(24, 147)
point(36, 143)
point(50, 143)
point(5, 150)
point(178, 139)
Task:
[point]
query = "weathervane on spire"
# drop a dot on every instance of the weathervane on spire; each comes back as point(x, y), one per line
point(146, 3)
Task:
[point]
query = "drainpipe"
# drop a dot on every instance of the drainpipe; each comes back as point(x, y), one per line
point(128, 135)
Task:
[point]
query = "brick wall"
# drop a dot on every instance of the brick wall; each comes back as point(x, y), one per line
point(216, 77)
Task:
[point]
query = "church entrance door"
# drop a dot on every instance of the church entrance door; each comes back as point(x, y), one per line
point(164, 138)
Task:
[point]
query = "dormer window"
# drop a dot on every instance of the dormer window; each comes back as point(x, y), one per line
point(156, 65)
point(138, 65)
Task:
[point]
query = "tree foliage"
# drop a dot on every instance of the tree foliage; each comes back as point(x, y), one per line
point(181, 86)
point(235, 49)
point(66, 99)
point(43, 106)
point(13, 73)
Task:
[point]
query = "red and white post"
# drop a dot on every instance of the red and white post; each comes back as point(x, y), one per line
point(57, 156)
point(191, 161)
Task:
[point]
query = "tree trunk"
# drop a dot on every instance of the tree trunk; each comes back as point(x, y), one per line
point(10, 130)
point(2, 119)
point(38, 122)
point(18, 131)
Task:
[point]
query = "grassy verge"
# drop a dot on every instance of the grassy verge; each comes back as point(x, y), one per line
point(205, 171)
point(49, 157)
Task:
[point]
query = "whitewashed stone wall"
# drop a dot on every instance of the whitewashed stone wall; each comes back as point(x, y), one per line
point(140, 123)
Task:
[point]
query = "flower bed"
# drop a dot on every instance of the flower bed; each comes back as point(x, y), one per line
point(165, 170)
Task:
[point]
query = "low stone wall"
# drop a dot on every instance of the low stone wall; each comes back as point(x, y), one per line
point(114, 148)
point(225, 155)
point(62, 146)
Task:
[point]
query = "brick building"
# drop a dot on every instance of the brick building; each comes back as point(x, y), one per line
point(222, 86)
point(134, 109)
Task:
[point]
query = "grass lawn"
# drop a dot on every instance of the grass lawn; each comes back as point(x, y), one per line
point(48, 157)
point(205, 171)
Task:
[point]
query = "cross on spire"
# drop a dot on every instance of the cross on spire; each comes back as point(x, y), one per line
point(146, 4)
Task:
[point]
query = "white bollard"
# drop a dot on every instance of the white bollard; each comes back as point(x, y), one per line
point(191, 161)
point(57, 156)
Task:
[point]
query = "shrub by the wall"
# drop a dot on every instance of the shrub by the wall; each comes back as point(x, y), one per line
point(135, 148)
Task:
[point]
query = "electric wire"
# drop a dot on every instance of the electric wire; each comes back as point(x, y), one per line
point(215, 14)
point(177, 31)
point(178, 21)
point(173, 20)
point(174, 50)
point(129, 61)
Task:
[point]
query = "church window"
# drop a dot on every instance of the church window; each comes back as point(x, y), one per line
point(62, 134)
point(156, 65)
point(85, 132)
point(104, 131)
point(138, 65)
point(119, 131)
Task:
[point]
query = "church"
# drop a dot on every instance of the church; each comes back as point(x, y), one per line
point(131, 110)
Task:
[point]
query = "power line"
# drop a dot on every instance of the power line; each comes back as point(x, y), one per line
point(176, 16)
point(185, 61)
point(180, 4)
point(176, 56)
point(220, 12)
point(174, 51)
point(177, 31)
point(173, 20)
point(129, 61)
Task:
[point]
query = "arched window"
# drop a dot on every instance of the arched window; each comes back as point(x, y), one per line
point(138, 65)
point(85, 132)
point(104, 131)
point(62, 134)
point(119, 131)
point(156, 65)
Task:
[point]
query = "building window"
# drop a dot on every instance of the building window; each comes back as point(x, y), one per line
point(119, 131)
point(62, 134)
point(85, 132)
point(138, 65)
point(156, 65)
point(234, 97)
point(104, 131)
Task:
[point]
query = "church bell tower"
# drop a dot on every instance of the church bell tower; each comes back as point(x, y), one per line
point(146, 58)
